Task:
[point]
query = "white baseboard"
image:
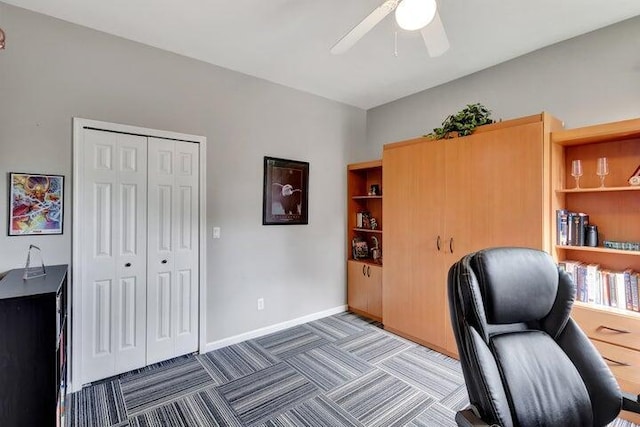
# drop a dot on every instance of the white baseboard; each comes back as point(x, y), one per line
point(271, 329)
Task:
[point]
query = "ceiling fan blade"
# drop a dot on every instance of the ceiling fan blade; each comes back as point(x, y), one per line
point(364, 27)
point(435, 37)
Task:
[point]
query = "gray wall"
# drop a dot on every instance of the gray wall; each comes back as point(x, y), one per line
point(594, 78)
point(52, 71)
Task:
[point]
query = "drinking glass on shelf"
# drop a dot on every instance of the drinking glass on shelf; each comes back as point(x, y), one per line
point(576, 171)
point(603, 169)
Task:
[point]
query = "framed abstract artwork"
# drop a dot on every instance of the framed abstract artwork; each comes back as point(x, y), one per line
point(285, 196)
point(35, 204)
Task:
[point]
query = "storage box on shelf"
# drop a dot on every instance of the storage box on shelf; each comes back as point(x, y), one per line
point(615, 209)
point(364, 231)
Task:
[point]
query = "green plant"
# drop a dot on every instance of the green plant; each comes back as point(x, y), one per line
point(463, 122)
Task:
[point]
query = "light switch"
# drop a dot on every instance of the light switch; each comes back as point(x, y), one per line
point(216, 232)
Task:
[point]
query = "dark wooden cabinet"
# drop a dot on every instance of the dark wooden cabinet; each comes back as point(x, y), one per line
point(33, 352)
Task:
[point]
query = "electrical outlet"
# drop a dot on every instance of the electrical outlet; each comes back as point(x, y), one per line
point(216, 232)
point(260, 303)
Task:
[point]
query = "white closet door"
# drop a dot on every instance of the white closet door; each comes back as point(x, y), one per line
point(172, 310)
point(114, 253)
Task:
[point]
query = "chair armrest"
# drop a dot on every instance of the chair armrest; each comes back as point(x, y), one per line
point(630, 402)
point(468, 418)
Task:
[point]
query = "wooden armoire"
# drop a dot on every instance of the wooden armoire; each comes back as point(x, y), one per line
point(446, 198)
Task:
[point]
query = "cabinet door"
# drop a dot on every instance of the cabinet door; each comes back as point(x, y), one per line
point(357, 285)
point(374, 283)
point(494, 195)
point(413, 206)
point(113, 214)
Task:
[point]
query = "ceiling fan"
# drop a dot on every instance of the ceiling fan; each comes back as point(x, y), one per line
point(411, 15)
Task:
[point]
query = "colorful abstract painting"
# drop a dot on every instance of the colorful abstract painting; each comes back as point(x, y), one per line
point(35, 206)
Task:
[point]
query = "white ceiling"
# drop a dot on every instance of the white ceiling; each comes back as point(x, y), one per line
point(288, 41)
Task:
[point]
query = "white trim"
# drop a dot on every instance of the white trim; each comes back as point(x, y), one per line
point(271, 329)
point(75, 274)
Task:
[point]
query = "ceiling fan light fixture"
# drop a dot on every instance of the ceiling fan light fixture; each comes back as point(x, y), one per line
point(412, 15)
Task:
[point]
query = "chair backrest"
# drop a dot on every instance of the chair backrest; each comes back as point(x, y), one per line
point(525, 361)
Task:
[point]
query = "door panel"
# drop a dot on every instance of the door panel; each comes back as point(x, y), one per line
point(173, 249)
point(413, 210)
point(186, 252)
point(113, 211)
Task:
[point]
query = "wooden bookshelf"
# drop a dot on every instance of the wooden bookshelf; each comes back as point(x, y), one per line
point(364, 275)
point(615, 209)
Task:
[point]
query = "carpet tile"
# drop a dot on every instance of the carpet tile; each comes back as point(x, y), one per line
point(436, 416)
point(153, 387)
point(291, 341)
point(203, 408)
point(334, 328)
point(317, 412)
point(343, 370)
point(264, 394)
point(329, 366)
point(456, 400)
point(236, 361)
point(439, 378)
point(99, 405)
point(379, 399)
point(373, 345)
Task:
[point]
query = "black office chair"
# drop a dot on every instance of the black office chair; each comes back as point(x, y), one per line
point(525, 361)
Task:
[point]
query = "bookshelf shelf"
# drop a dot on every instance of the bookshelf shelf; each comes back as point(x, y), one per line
point(367, 230)
point(608, 309)
point(598, 249)
point(370, 197)
point(597, 189)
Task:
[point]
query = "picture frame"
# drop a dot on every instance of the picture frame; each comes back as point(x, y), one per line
point(285, 193)
point(36, 204)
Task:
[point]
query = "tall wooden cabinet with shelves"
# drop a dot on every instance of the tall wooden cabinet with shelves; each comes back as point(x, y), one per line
point(615, 209)
point(444, 199)
point(364, 274)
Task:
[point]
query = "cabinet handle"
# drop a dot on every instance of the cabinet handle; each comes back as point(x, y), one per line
point(451, 245)
point(438, 243)
point(620, 331)
point(368, 271)
point(615, 361)
point(364, 270)
point(164, 261)
point(128, 264)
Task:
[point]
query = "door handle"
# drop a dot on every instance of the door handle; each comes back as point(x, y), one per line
point(451, 245)
point(438, 243)
point(128, 264)
point(615, 361)
point(368, 271)
point(364, 270)
point(164, 261)
point(620, 331)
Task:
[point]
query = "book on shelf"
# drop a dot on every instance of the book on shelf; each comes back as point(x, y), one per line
point(599, 286)
point(359, 220)
point(592, 284)
point(561, 226)
point(632, 277)
point(571, 227)
point(604, 287)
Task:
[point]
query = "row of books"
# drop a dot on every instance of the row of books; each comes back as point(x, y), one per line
point(620, 289)
point(571, 227)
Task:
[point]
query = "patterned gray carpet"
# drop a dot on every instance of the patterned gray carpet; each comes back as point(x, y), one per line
point(338, 371)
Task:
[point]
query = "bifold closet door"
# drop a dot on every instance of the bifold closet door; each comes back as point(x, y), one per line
point(113, 214)
point(172, 284)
